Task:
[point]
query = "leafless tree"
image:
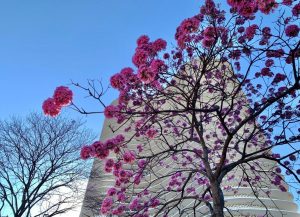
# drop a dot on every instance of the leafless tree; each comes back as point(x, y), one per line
point(41, 173)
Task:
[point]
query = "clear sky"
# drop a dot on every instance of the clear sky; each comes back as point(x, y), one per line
point(46, 43)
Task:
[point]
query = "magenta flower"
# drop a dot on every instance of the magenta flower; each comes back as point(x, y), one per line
point(129, 157)
point(296, 10)
point(110, 111)
point(292, 30)
point(62, 96)
point(50, 107)
point(85, 152)
point(144, 39)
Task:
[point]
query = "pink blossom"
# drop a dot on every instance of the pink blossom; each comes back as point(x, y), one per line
point(266, 31)
point(292, 30)
point(159, 45)
point(108, 169)
point(208, 43)
point(121, 197)
point(111, 111)
point(151, 133)
point(145, 74)
point(143, 39)
point(154, 202)
point(157, 66)
point(62, 96)
point(50, 107)
point(127, 72)
point(119, 138)
point(275, 53)
point(129, 157)
point(135, 204)
point(250, 31)
point(101, 150)
point(296, 10)
point(269, 62)
point(109, 163)
point(278, 78)
point(120, 210)
point(137, 179)
point(123, 174)
point(187, 27)
point(247, 8)
point(110, 143)
point(116, 81)
point(266, 6)
point(111, 191)
point(118, 165)
point(85, 152)
point(166, 56)
point(140, 148)
point(140, 57)
point(106, 205)
point(142, 163)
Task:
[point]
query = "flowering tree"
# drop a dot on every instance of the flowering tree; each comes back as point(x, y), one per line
point(210, 112)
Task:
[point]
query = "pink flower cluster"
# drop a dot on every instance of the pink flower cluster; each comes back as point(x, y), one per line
point(249, 8)
point(278, 78)
point(62, 97)
point(211, 34)
point(111, 111)
point(275, 53)
point(292, 30)
point(101, 149)
point(109, 203)
point(250, 31)
point(147, 50)
point(151, 133)
point(144, 59)
point(296, 10)
point(183, 32)
point(129, 157)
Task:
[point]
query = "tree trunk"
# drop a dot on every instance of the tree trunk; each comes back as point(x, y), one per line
point(218, 200)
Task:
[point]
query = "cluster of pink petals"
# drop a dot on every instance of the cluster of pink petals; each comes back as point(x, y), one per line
point(278, 78)
point(251, 31)
point(124, 80)
point(106, 205)
point(129, 157)
point(266, 6)
point(111, 111)
point(147, 50)
point(145, 74)
point(185, 29)
point(108, 166)
point(145, 53)
point(296, 10)
point(211, 34)
point(86, 152)
point(151, 133)
point(275, 53)
point(62, 97)
point(292, 30)
point(50, 108)
point(249, 8)
point(101, 149)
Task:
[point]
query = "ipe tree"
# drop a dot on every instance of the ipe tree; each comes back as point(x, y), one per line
point(209, 112)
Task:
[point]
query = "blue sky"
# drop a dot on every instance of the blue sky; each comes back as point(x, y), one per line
point(44, 44)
